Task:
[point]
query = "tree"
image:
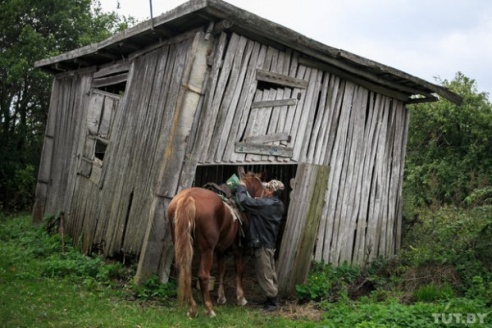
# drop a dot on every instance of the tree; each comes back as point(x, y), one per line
point(449, 151)
point(31, 30)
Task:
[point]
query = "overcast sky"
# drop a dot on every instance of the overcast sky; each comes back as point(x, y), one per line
point(426, 38)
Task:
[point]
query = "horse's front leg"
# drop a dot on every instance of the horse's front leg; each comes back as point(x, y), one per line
point(238, 258)
point(221, 269)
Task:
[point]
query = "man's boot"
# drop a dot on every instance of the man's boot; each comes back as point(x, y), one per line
point(271, 304)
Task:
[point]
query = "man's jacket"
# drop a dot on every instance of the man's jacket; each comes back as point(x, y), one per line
point(265, 215)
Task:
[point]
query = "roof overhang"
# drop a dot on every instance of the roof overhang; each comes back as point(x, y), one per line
point(199, 13)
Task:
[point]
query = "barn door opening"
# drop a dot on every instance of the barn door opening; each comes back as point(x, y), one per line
point(219, 174)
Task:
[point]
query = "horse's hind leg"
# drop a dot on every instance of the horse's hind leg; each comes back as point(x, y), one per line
point(221, 271)
point(206, 262)
point(192, 312)
point(241, 300)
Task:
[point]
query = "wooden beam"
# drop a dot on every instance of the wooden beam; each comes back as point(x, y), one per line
point(258, 149)
point(280, 79)
point(274, 103)
point(282, 136)
point(114, 79)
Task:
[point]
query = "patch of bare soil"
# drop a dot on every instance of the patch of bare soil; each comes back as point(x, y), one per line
point(295, 311)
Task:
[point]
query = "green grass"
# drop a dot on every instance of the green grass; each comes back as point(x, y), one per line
point(41, 286)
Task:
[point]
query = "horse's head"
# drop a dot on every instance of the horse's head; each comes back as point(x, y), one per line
point(253, 183)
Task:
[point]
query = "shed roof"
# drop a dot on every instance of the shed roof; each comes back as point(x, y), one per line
point(198, 13)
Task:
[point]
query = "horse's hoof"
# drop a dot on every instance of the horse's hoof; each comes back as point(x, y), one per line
point(192, 314)
point(242, 302)
point(211, 314)
point(221, 300)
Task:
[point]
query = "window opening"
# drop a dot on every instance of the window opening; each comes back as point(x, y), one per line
point(100, 150)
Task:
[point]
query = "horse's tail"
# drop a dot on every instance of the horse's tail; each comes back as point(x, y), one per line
point(184, 224)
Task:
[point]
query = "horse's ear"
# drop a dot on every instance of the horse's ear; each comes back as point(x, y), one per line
point(240, 171)
point(263, 175)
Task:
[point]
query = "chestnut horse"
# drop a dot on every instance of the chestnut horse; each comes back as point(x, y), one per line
point(200, 215)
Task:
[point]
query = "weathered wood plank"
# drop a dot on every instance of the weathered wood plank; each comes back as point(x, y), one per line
point(109, 80)
point(221, 88)
point(280, 79)
point(94, 113)
point(360, 248)
point(303, 219)
point(122, 66)
point(352, 195)
point(274, 103)
point(246, 97)
point(207, 118)
point(260, 117)
point(106, 118)
point(229, 104)
point(271, 150)
point(317, 130)
point(329, 251)
point(281, 136)
point(186, 104)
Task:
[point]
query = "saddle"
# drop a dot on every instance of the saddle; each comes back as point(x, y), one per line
point(220, 190)
point(226, 195)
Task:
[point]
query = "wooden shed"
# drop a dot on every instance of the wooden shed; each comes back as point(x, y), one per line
point(186, 97)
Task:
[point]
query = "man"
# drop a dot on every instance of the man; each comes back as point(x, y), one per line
point(265, 215)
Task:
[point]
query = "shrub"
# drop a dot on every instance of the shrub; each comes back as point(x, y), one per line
point(153, 290)
point(326, 282)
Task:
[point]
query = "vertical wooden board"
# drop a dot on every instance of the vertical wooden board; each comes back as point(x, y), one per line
point(109, 105)
point(326, 225)
point(244, 103)
point(293, 226)
point(331, 115)
point(279, 113)
point(330, 136)
point(294, 112)
point(304, 252)
point(396, 178)
point(298, 240)
point(286, 121)
point(367, 169)
point(172, 160)
point(206, 122)
point(130, 149)
point(336, 177)
point(387, 240)
point(301, 111)
point(374, 220)
point(94, 113)
point(261, 121)
point(406, 119)
point(48, 147)
point(384, 180)
point(233, 93)
point(340, 219)
point(308, 119)
point(184, 72)
point(351, 200)
point(260, 117)
point(79, 132)
point(225, 71)
point(320, 110)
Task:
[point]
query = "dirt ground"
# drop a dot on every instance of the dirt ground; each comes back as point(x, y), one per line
point(289, 308)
